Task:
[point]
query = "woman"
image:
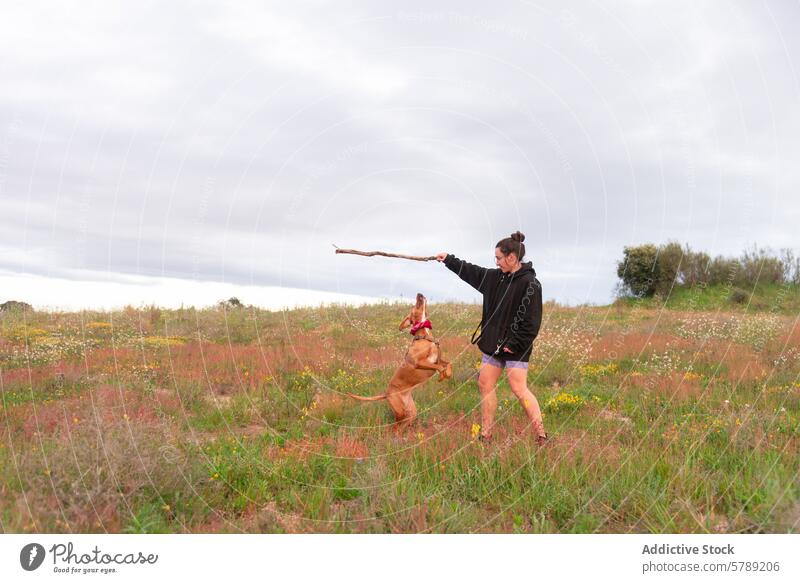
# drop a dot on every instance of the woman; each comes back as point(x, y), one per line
point(512, 315)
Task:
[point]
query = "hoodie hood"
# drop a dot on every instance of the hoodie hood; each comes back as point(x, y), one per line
point(524, 270)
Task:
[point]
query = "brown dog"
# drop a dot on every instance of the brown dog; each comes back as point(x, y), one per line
point(422, 360)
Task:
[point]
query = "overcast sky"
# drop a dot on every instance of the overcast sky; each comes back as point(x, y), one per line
point(174, 152)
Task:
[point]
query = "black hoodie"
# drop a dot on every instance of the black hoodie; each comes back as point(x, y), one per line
point(512, 307)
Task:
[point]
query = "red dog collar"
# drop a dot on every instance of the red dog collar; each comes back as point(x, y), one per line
point(416, 327)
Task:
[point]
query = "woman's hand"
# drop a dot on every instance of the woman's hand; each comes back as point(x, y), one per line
point(441, 256)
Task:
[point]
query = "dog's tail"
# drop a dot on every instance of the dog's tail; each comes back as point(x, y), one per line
point(360, 398)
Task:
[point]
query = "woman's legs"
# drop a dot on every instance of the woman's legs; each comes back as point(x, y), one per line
point(487, 383)
point(518, 379)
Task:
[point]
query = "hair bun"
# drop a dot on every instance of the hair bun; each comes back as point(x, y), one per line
point(518, 236)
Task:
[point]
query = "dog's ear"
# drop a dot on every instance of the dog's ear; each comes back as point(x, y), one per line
point(405, 323)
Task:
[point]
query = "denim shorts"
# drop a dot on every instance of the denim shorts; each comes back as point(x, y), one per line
point(486, 359)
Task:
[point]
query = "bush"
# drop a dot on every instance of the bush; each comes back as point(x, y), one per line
point(694, 269)
point(791, 267)
point(758, 266)
point(669, 261)
point(639, 270)
point(15, 306)
point(231, 304)
point(739, 296)
point(722, 271)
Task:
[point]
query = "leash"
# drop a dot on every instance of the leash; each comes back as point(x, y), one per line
point(474, 340)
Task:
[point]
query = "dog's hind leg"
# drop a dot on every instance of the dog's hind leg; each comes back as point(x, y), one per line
point(411, 409)
point(395, 400)
point(403, 407)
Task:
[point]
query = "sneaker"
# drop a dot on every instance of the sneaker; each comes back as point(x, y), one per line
point(542, 440)
point(484, 439)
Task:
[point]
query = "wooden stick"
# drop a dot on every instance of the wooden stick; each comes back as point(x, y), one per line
point(384, 254)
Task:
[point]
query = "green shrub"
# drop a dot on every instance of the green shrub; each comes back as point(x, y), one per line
point(739, 296)
point(639, 270)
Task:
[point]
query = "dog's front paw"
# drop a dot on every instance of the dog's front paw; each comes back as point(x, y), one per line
point(446, 373)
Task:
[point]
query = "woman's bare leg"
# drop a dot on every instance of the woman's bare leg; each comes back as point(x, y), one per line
point(518, 379)
point(487, 383)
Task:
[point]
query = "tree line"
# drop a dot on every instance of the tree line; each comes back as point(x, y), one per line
point(648, 270)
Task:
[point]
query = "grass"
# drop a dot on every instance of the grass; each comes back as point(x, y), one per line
point(151, 421)
point(764, 297)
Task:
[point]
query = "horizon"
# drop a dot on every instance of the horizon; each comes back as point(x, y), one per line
point(174, 293)
point(328, 300)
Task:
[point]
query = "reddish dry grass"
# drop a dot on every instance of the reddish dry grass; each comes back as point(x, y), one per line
point(63, 372)
point(616, 345)
point(227, 369)
point(350, 447)
point(674, 386)
point(105, 404)
point(304, 448)
point(377, 357)
point(50, 418)
point(741, 364)
point(790, 338)
point(192, 362)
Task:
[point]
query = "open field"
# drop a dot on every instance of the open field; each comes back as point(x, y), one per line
point(231, 421)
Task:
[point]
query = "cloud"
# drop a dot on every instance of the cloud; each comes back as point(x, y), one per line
point(233, 143)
